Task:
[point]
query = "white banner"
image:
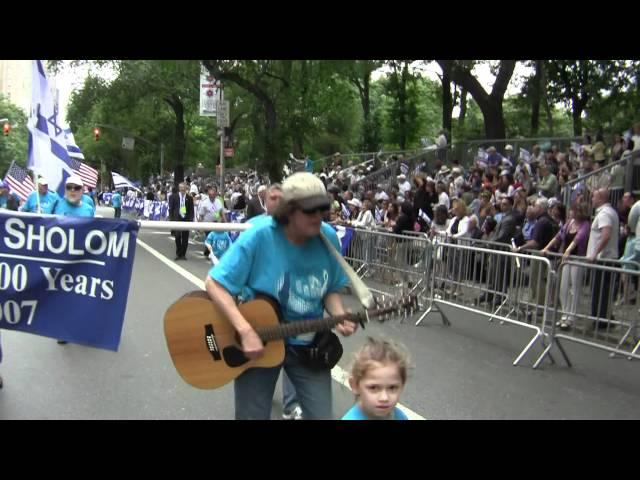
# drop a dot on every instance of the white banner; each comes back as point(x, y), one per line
point(210, 94)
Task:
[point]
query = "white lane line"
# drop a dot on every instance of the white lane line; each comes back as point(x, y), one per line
point(337, 373)
point(172, 265)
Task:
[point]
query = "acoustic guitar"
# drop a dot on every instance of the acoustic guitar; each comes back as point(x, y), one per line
point(205, 347)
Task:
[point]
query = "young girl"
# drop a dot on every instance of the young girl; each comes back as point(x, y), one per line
point(378, 376)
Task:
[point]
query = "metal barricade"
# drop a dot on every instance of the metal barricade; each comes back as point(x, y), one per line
point(392, 264)
point(510, 287)
point(594, 306)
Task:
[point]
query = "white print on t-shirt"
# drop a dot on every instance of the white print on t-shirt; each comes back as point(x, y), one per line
point(304, 291)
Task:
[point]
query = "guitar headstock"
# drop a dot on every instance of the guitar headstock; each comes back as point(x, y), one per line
point(389, 308)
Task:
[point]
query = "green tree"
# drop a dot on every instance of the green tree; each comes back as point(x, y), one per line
point(401, 88)
point(490, 103)
point(580, 83)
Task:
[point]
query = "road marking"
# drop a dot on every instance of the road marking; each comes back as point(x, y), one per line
point(172, 265)
point(337, 373)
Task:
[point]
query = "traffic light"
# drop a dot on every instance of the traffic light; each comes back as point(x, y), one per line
point(6, 128)
point(96, 133)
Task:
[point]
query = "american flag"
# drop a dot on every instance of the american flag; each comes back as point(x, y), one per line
point(19, 181)
point(88, 174)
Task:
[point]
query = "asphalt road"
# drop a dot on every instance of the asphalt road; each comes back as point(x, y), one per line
point(463, 371)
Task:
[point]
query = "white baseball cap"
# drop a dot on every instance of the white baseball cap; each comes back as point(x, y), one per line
point(306, 189)
point(74, 180)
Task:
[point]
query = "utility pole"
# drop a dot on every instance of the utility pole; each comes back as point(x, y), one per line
point(222, 120)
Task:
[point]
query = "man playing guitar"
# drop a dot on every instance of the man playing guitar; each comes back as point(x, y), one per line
point(284, 258)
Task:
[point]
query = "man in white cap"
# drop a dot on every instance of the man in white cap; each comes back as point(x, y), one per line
point(403, 184)
point(47, 198)
point(286, 259)
point(72, 204)
point(508, 154)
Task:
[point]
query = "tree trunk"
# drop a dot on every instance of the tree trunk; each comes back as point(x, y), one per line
point(447, 101)
point(179, 138)
point(273, 163)
point(463, 107)
point(494, 125)
point(535, 98)
point(576, 113)
point(402, 101)
point(490, 104)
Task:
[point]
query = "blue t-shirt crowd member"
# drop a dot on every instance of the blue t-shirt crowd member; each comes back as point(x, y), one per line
point(73, 203)
point(116, 203)
point(218, 243)
point(284, 258)
point(47, 198)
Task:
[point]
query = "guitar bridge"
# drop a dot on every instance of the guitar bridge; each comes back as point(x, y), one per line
point(210, 341)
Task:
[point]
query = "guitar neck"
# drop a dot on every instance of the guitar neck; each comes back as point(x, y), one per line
point(298, 327)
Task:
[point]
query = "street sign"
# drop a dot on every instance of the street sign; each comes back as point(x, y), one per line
point(210, 93)
point(223, 113)
point(228, 152)
point(128, 143)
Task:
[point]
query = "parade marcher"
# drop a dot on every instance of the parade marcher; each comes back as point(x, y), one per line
point(46, 197)
point(285, 259)
point(181, 210)
point(73, 205)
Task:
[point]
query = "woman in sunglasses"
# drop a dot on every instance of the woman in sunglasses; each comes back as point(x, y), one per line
point(73, 204)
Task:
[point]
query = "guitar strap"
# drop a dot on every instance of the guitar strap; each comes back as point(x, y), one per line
point(360, 289)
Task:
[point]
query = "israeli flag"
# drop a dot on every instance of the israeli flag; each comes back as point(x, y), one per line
point(424, 217)
point(346, 213)
point(48, 154)
point(120, 181)
point(344, 235)
point(72, 148)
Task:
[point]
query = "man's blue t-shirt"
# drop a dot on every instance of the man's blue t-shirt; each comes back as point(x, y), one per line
point(116, 200)
point(308, 165)
point(86, 198)
point(219, 242)
point(298, 276)
point(356, 413)
point(47, 202)
point(65, 208)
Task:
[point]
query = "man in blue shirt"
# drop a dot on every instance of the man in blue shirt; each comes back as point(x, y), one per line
point(116, 203)
point(47, 198)
point(72, 204)
point(286, 259)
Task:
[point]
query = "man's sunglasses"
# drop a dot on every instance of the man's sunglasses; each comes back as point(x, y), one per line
point(75, 188)
point(313, 211)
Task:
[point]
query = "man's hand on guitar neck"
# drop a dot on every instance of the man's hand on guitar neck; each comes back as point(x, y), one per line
point(347, 328)
point(333, 305)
